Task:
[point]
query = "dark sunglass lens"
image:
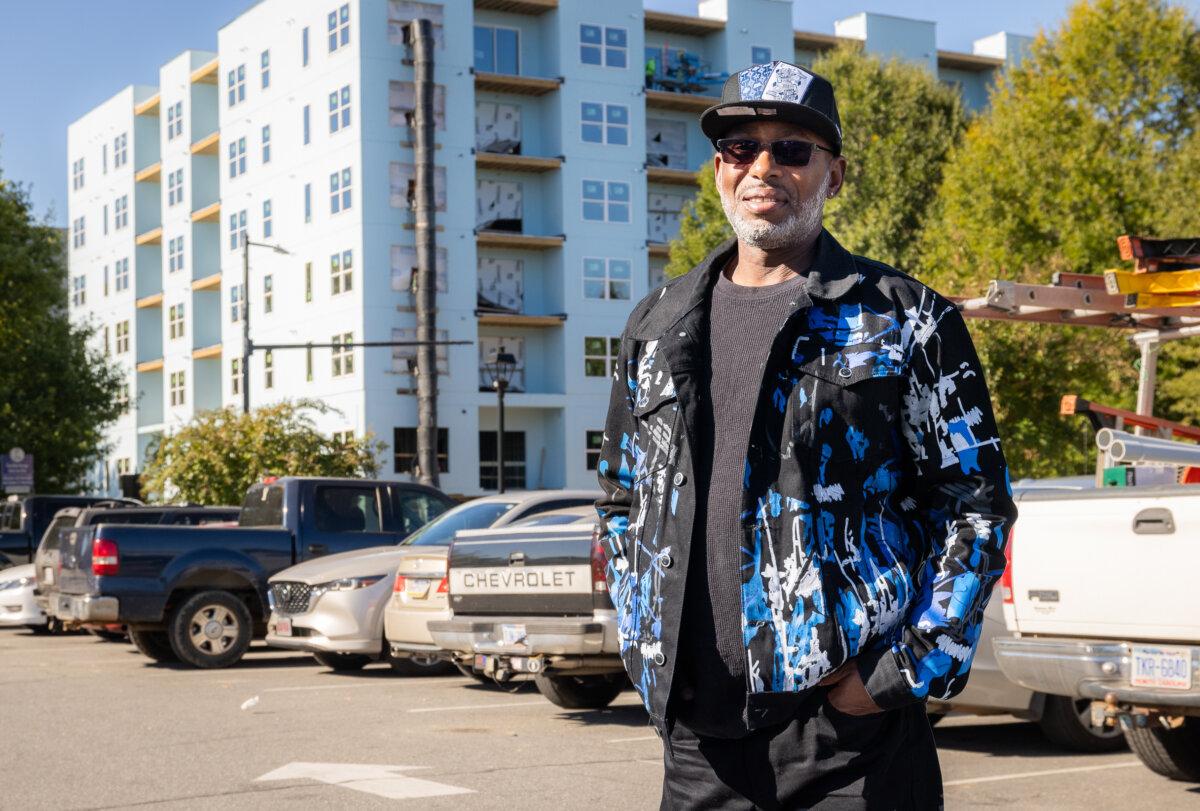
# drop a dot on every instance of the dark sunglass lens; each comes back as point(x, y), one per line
point(792, 153)
point(738, 150)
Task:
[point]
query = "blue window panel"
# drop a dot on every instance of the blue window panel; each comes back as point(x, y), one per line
point(593, 133)
point(593, 268)
point(345, 188)
point(618, 114)
point(593, 190)
point(346, 106)
point(589, 34)
point(615, 37)
point(618, 212)
point(306, 129)
point(618, 136)
point(593, 211)
point(618, 192)
point(615, 58)
point(619, 268)
point(760, 55)
point(508, 51)
point(592, 111)
point(345, 20)
point(485, 53)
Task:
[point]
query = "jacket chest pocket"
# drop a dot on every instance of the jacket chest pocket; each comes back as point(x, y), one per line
point(846, 416)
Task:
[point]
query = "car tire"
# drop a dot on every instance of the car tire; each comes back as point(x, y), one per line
point(1173, 753)
point(153, 645)
point(580, 692)
point(1066, 722)
point(210, 630)
point(418, 664)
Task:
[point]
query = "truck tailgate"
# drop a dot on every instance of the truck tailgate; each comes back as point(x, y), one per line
point(1112, 563)
point(522, 571)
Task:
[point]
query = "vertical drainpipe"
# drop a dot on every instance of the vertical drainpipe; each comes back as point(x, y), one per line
point(421, 36)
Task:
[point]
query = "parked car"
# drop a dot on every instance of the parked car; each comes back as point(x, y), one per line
point(334, 607)
point(1101, 598)
point(5, 561)
point(23, 520)
point(197, 594)
point(17, 606)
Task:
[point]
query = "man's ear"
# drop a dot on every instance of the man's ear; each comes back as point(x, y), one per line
point(716, 165)
point(837, 175)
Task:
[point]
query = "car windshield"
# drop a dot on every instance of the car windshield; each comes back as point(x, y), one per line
point(440, 531)
point(552, 519)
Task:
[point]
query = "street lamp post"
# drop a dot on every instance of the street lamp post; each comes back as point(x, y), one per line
point(500, 368)
point(247, 344)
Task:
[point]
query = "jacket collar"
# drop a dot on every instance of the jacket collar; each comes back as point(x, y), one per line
point(833, 274)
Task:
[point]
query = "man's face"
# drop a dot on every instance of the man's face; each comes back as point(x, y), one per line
point(772, 206)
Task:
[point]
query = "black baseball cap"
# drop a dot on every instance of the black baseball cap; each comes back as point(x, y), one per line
point(776, 91)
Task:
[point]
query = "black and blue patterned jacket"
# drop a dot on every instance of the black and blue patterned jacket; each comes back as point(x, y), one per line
point(876, 501)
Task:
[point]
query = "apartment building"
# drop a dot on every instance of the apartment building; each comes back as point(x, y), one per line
point(566, 144)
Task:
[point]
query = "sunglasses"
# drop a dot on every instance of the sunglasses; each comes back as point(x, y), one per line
point(785, 153)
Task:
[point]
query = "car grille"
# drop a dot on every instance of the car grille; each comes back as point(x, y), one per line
point(291, 598)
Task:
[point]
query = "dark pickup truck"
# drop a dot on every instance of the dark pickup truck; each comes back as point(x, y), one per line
point(534, 600)
point(198, 595)
point(23, 520)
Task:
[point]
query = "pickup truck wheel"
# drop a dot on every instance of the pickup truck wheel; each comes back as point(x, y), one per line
point(342, 662)
point(154, 645)
point(1173, 753)
point(1068, 723)
point(580, 692)
point(210, 630)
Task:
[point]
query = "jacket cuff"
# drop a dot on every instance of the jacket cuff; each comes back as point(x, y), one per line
point(884, 682)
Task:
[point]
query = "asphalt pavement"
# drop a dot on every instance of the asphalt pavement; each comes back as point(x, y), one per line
point(87, 724)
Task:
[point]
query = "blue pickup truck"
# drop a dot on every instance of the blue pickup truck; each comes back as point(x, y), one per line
point(23, 519)
point(199, 595)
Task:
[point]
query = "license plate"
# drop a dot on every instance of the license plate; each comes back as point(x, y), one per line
point(481, 662)
point(1169, 668)
point(48, 576)
point(416, 588)
point(512, 634)
point(283, 627)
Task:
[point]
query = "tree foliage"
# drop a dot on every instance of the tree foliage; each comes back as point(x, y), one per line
point(1084, 140)
point(899, 124)
point(215, 458)
point(57, 394)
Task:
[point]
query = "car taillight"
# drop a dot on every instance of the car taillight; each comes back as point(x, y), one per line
point(599, 563)
point(400, 585)
point(105, 558)
point(444, 586)
point(1006, 583)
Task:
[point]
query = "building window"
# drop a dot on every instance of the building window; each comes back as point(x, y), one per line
point(404, 357)
point(497, 50)
point(343, 356)
point(308, 364)
point(235, 376)
point(404, 440)
point(605, 123)
point(121, 275)
point(106, 296)
point(339, 109)
point(605, 201)
point(339, 28)
point(268, 293)
point(122, 337)
point(175, 321)
point(308, 202)
point(603, 45)
point(175, 254)
point(341, 266)
point(307, 131)
point(175, 187)
point(266, 144)
point(121, 212)
point(268, 369)
point(304, 47)
point(174, 120)
point(759, 55)
point(514, 460)
point(342, 437)
point(122, 398)
point(308, 283)
point(236, 85)
point(79, 290)
point(237, 157)
point(607, 278)
point(237, 303)
point(77, 174)
point(600, 356)
point(237, 229)
point(267, 220)
point(104, 220)
point(121, 150)
point(77, 232)
point(593, 441)
point(339, 191)
point(266, 69)
point(177, 388)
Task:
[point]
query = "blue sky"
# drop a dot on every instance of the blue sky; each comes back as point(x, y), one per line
point(73, 54)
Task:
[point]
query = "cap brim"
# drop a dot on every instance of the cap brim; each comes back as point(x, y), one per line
point(720, 118)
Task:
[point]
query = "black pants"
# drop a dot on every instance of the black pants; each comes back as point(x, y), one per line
point(821, 759)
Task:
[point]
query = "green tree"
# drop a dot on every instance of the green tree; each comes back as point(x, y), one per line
point(899, 124)
point(215, 458)
point(57, 393)
point(1083, 141)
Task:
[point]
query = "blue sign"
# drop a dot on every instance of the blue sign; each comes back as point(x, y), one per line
point(16, 472)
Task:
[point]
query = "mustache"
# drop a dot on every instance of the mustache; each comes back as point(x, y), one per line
point(772, 190)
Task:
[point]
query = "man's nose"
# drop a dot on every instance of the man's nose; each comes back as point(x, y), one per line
point(764, 164)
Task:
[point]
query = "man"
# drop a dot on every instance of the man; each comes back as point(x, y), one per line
point(806, 504)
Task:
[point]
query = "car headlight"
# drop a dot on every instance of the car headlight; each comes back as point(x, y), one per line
point(348, 583)
point(18, 583)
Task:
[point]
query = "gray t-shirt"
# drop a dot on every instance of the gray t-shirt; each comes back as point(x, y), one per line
point(710, 696)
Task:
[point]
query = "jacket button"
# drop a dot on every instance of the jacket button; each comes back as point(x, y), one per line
point(666, 560)
point(679, 480)
point(659, 659)
point(844, 372)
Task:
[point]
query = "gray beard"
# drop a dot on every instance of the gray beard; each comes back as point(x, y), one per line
point(803, 221)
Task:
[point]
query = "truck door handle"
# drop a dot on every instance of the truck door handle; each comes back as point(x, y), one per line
point(1154, 521)
point(317, 549)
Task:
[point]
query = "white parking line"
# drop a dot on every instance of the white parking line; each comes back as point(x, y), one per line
point(631, 740)
point(481, 706)
point(325, 687)
point(1044, 773)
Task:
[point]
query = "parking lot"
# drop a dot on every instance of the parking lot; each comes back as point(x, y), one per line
point(91, 724)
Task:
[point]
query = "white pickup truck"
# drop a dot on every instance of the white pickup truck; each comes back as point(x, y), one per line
point(1102, 595)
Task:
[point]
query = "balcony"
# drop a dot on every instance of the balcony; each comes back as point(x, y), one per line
point(210, 213)
point(151, 174)
point(151, 237)
point(517, 6)
point(964, 61)
point(511, 83)
point(148, 107)
point(516, 163)
point(147, 366)
point(681, 24)
point(508, 239)
point(498, 319)
point(206, 73)
point(150, 301)
point(675, 177)
point(658, 250)
point(212, 282)
point(684, 102)
point(206, 352)
point(208, 145)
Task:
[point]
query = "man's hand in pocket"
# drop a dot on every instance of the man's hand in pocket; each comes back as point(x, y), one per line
point(847, 693)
